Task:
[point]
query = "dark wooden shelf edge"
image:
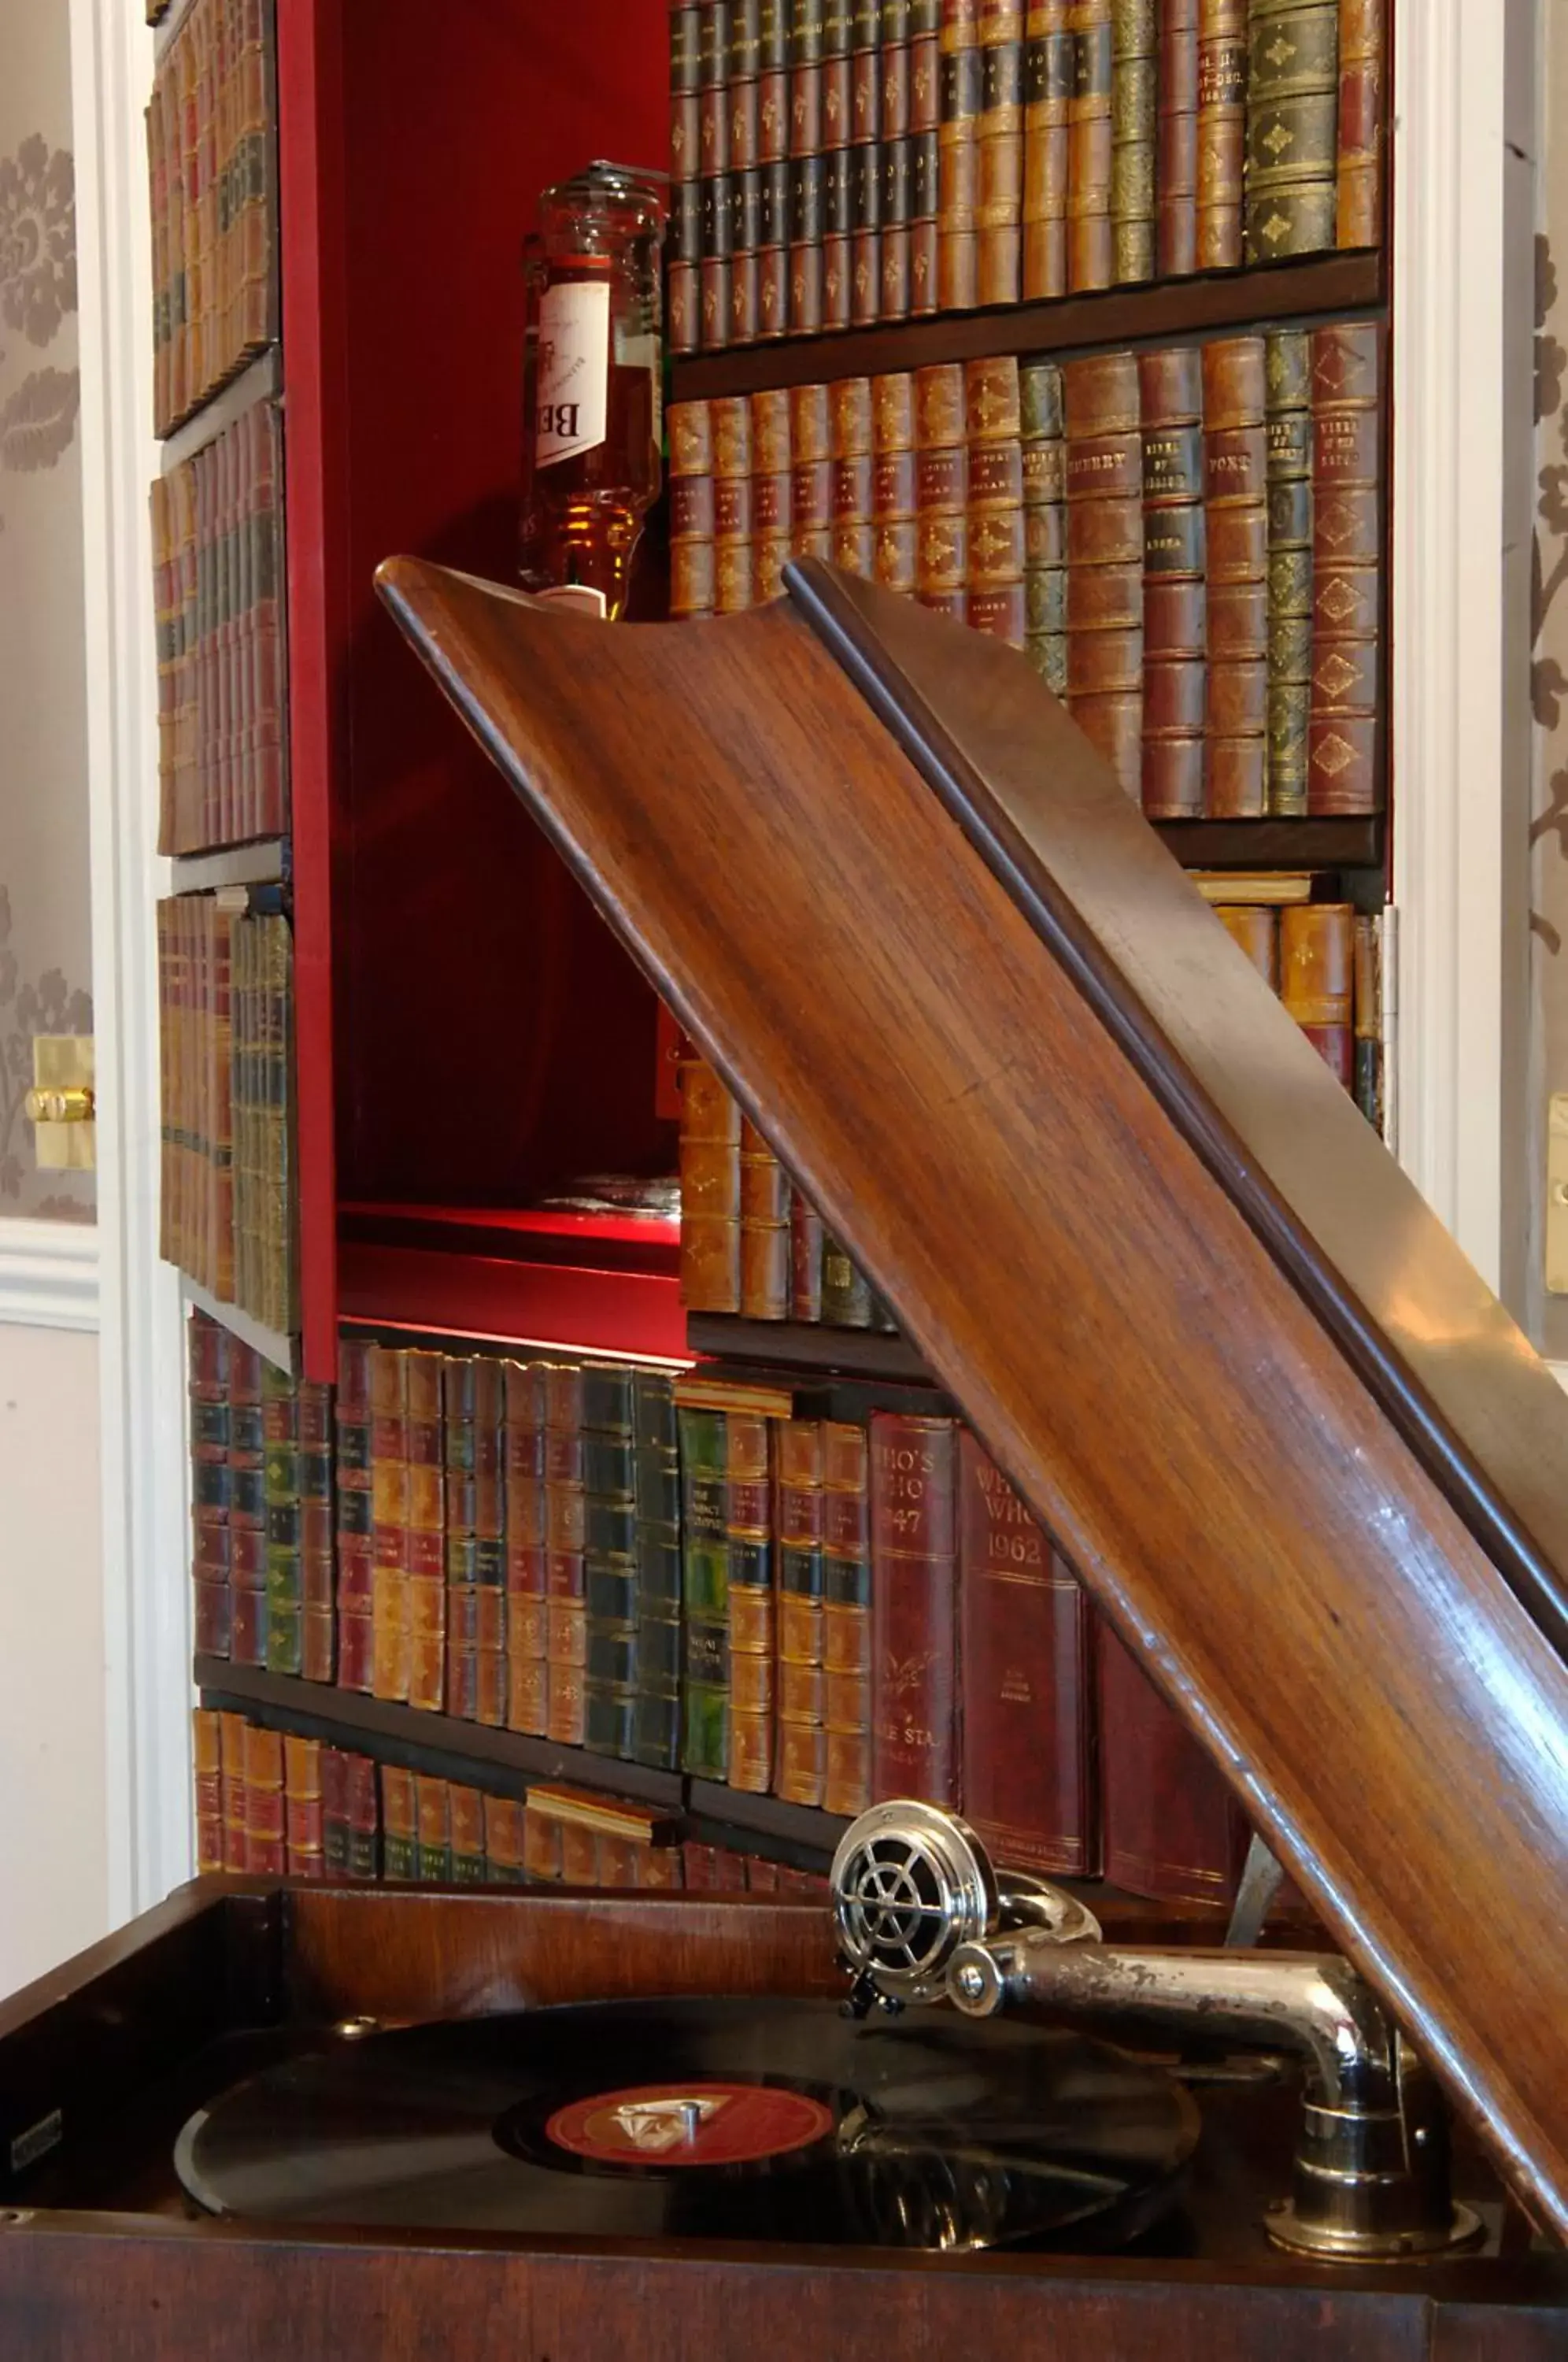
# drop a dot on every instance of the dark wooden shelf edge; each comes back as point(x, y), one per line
point(435, 1743)
point(1274, 843)
point(724, 1814)
point(795, 1345)
point(1174, 308)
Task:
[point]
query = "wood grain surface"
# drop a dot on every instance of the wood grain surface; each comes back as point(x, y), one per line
point(948, 1088)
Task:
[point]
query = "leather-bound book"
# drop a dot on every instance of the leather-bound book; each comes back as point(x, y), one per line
point(527, 1574)
point(504, 1828)
point(247, 1505)
point(743, 94)
point(319, 1589)
point(1363, 70)
point(704, 1546)
point(1176, 140)
point(211, 1561)
point(942, 488)
point(897, 160)
point(915, 1606)
point(610, 1670)
point(231, 1787)
point(800, 1752)
point(838, 168)
point(765, 1229)
point(807, 168)
point(1024, 1659)
point(1043, 429)
point(206, 1753)
point(718, 247)
point(356, 1545)
point(1174, 563)
point(745, 247)
point(566, 1565)
point(1091, 253)
point(1293, 98)
point(303, 1818)
point(774, 203)
point(1369, 1016)
point(1236, 524)
point(1288, 364)
point(690, 509)
point(266, 1841)
point(993, 429)
point(1347, 549)
point(489, 1541)
point(893, 482)
point(465, 1808)
point(710, 1192)
point(1170, 1828)
point(1050, 69)
point(847, 1593)
point(363, 1805)
point(1316, 979)
point(714, 51)
point(655, 1724)
point(432, 1830)
point(1221, 131)
point(963, 91)
point(811, 434)
point(335, 1812)
point(390, 1510)
point(866, 162)
point(772, 492)
point(1254, 928)
point(925, 154)
point(733, 470)
point(1105, 559)
point(424, 1535)
point(459, 1453)
point(846, 1299)
point(285, 1598)
point(1132, 71)
point(752, 1645)
point(853, 534)
point(806, 1236)
point(1000, 201)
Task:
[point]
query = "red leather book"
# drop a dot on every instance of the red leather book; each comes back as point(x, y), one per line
point(1170, 1828)
point(710, 1192)
point(1050, 66)
point(1176, 139)
point(1236, 522)
point(303, 1811)
point(1343, 773)
point(1091, 251)
point(265, 1844)
point(1105, 559)
point(1316, 979)
point(1362, 70)
point(527, 1572)
point(1028, 1710)
point(914, 1700)
point(1174, 559)
point(1221, 131)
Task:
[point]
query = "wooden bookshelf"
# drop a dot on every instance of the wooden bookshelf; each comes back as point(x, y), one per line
point(1326, 286)
point(1356, 844)
point(809, 1348)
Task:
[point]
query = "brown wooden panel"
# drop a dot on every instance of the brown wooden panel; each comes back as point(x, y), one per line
point(1078, 1276)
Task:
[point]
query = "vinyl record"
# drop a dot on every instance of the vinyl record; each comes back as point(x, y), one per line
point(708, 2120)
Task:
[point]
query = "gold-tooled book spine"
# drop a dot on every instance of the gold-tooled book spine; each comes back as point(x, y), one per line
point(942, 491)
point(691, 510)
point(1174, 566)
point(896, 162)
point(765, 1229)
point(1257, 932)
point(925, 157)
point(963, 90)
point(710, 1192)
point(743, 101)
point(810, 477)
point(1091, 257)
point(1236, 524)
point(1221, 131)
point(752, 1641)
point(1105, 559)
point(800, 1758)
point(1369, 1018)
point(772, 492)
point(847, 1618)
point(867, 181)
point(1289, 367)
point(854, 474)
point(684, 232)
point(773, 124)
point(1134, 71)
point(894, 498)
point(1293, 97)
point(1363, 34)
point(1044, 521)
point(1050, 68)
point(1175, 161)
point(1347, 564)
point(1316, 979)
point(999, 195)
point(565, 1570)
point(807, 172)
point(994, 433)
point(713, 170)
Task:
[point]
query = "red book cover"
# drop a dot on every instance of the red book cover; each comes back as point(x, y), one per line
point(915, 1748)
point(1023, 1653)
point(1170, 1827)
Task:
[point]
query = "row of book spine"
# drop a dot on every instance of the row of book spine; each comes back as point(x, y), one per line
point(276, 1804)
point(703, 1575)
point(210, 134)
point(1187, 542)
point(227, 1200)
point(1325, 961)
point(217, 543)
point(846, 162)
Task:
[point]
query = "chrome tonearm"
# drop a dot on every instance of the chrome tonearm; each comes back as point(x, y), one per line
point(922, 1915)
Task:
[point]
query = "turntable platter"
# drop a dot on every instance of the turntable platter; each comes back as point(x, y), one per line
point(702, 2119)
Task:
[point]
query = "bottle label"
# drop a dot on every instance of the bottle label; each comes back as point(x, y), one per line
point(574, 370)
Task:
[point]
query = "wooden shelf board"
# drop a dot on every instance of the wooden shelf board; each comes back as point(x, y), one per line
point(260, 380)
point(628, 1314)
point(265, 863)
point(807, 1347)
point(1172, 309)
point(437, 1743)
point(282, 1352)
point(1275, 843)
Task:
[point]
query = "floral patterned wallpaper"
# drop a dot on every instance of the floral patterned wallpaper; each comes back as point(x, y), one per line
point(45, 934)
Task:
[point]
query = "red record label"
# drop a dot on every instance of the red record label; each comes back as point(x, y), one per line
point(689, 2124)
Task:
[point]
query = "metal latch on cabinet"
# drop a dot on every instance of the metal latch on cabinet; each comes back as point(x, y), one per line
point(61, 1105)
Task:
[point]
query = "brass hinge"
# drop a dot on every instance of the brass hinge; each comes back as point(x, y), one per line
point(61, 1104)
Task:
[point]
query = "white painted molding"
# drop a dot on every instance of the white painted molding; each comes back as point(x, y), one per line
point(1559, 1372)
point(1459, 566)
point(147, 1635)
point(48, 1274)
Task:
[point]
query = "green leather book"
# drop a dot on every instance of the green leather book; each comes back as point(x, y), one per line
point(705, 1563)
point(1292, 128)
